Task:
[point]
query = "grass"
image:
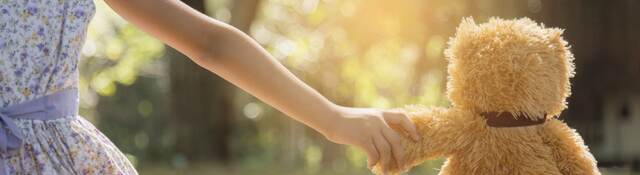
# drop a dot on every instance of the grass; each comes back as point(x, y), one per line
point(268, 168)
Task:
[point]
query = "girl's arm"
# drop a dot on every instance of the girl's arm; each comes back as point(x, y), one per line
point(231, 54)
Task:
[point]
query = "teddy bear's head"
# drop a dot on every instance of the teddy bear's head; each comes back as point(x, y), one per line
point(514, 66)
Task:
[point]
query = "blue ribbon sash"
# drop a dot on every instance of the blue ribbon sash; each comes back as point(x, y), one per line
point(50, 107)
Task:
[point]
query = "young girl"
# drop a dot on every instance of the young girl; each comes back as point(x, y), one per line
point(40, 42)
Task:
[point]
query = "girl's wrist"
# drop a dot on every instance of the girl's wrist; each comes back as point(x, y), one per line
point(328, 122)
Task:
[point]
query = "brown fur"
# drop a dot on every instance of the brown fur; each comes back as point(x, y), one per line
point(514, 66)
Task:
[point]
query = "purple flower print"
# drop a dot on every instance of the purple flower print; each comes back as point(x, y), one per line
point(35, 87)
point(40, 46)
point(23, 55)
point(41, 31)
point(18, 72)
point(32, 10)
point(79, 13)
point(55, 70)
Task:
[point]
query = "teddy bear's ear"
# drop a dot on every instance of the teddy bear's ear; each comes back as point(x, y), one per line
point(462, 39)
point(467, 27)
point(554, 37)
point(554, 34)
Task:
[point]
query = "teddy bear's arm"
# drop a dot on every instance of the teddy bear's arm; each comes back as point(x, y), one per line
point(571, 154)
point(442, 134)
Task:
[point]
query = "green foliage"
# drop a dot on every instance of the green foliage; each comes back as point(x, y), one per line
point(115, 52)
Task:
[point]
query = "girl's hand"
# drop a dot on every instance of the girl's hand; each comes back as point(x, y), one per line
point(369, 129)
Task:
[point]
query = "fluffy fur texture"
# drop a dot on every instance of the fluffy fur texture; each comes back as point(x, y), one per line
point(514, 66)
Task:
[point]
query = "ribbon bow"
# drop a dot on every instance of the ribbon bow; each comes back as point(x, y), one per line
point(10, 135)
point(53, 106)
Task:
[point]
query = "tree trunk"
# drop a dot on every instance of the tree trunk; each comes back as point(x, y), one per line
point(200, 106)
point(202, 103)
point(242, 14)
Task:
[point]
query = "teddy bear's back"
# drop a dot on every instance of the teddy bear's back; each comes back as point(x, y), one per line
point(517, 150)
point(549, 148)
point(472, 147)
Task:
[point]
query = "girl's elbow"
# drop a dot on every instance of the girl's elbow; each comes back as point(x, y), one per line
point(217, 45)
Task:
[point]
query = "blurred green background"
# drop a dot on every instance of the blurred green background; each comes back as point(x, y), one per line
point(171, 117)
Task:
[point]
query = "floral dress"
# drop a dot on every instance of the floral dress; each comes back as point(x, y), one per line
point(40, 43)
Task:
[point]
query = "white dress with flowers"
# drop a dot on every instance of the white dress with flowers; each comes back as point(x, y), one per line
point(40, 43)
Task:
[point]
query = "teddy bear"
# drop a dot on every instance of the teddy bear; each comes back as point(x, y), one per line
point(507, 83)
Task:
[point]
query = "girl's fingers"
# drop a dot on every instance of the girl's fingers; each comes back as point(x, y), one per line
point(396, 148)
point(372, 152)
point(399, 118)
point(409, 127)
point(384, 150)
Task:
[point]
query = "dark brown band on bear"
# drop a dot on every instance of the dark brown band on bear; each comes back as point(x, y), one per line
point(506, 119)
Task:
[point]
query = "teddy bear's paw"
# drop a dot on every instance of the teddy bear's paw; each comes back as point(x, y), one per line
point(394, 170)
